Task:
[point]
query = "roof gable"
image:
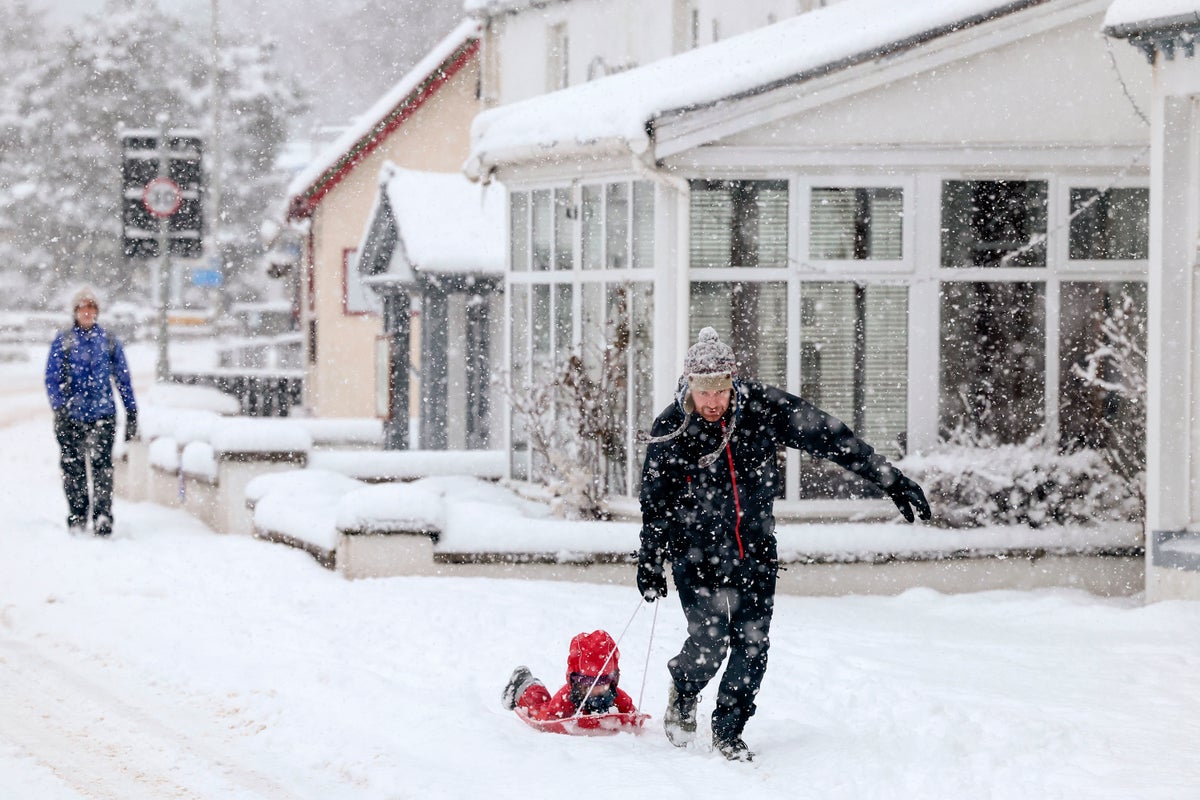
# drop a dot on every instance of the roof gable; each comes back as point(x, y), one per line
point(622, 111)
point(446, 59)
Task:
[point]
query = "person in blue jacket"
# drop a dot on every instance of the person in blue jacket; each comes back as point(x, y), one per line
point(85, 361)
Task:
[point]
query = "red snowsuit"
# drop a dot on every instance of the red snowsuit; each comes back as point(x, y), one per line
point(589, 656)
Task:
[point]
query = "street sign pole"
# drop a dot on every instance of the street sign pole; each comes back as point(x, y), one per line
point(162, 203)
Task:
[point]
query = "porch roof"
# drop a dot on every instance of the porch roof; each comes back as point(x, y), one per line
point(618, 113)
point(439, 223)
point(387, 114)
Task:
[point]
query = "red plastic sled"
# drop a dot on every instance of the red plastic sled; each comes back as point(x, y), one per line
point(605, 724)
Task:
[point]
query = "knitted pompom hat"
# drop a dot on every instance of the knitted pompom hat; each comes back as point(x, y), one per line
point(709, 365)
point(82, 296)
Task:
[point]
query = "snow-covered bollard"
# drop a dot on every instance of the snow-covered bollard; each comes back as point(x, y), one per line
point(244, 449)
point(388, 530)
point(163, 485)
point(198, 473)
point(132, 471)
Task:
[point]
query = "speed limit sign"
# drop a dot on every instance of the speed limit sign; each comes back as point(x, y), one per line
point(162, 197)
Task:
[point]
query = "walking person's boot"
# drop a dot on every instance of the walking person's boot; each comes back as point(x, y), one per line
point(679, 720)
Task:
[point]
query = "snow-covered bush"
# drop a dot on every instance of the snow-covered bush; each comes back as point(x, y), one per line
point(971, 486)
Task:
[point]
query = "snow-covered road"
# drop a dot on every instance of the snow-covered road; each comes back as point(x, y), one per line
point(172, 662)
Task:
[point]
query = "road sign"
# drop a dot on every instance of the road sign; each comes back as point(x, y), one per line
point(206, 278)
point(162, 197)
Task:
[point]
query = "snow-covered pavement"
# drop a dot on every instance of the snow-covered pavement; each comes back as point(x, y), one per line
point(172, 662)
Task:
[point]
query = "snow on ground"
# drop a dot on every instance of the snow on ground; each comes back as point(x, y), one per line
point(172, 662)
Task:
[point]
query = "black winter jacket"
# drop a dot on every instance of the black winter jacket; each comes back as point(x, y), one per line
point(689, 510)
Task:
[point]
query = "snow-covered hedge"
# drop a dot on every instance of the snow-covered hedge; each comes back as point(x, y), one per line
point(971, 487)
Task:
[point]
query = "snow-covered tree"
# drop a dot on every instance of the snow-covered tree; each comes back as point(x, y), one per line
point(62, 160)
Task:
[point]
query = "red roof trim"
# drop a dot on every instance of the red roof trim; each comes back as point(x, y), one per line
point(303, 205)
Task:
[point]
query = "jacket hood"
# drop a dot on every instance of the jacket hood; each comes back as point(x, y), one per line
point(593, 653)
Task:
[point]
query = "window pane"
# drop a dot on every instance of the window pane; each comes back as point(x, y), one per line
point(1094, 316)
point(593, 228)
point(994, 223)
point(564, 233)
point(854, 365)
point(563, 323)
point(543, 229)
point(1110, 225)
point(993, 359)
point(541, 330)
point(591, 323)
point(616, 338)
point(751, 318)
point(518, 212)
point(616, 228)
point(520, 378)
point(643, 225)
point(542, 373)
point(739, 223)
point(641, 339)
point(856, 224)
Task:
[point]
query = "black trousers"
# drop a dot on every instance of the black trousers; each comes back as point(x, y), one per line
point(728, 609)
point(81, 444)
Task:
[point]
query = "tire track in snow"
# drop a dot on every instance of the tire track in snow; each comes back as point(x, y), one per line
point(106, 746)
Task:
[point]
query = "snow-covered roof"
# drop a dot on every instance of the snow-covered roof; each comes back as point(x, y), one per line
point(444, 222)
point(1150, 14)
point(496, 7)
point(387, 114)
point(618, 112)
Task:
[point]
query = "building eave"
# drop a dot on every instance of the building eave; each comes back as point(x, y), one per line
point(1165, 35)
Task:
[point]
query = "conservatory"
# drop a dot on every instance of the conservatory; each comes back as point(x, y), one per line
point(905, 223)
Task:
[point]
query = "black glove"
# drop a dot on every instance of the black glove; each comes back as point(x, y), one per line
point(130, 425)
point(906, 494)
point(651, 580)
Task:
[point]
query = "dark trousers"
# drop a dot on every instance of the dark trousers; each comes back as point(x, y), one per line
point(81, 444)
point(726, 614)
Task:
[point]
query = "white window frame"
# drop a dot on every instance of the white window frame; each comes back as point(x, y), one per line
point(849, 268)
point(1093, 269)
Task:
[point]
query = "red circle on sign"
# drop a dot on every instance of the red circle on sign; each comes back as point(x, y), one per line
point(162, 197)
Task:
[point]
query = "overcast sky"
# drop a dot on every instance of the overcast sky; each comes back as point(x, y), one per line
point(360, 63)
point(67, 10)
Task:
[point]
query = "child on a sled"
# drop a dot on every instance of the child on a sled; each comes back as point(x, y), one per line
point(593, 671)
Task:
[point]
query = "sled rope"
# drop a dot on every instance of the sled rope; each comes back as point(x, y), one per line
point(637, 608)
point(646, 666)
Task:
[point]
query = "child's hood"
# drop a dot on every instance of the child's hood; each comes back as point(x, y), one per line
point(593, 653)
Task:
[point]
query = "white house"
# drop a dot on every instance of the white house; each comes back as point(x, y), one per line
point(916, 214)
point(1166, 31)
point(533, 46)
